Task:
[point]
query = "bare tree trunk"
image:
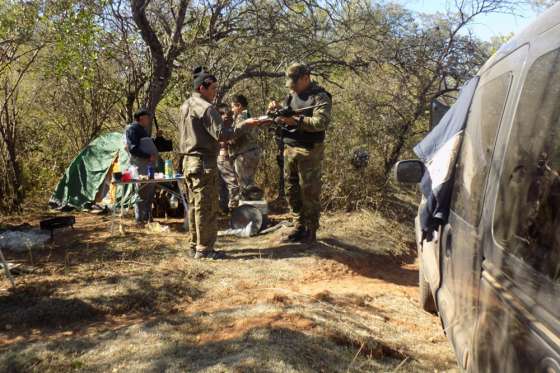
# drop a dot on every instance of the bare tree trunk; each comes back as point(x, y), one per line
point(162, 62)
point(158, 84)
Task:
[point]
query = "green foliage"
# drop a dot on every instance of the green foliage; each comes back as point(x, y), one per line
point(91, 68)
point(18, 20)
point(76, 37)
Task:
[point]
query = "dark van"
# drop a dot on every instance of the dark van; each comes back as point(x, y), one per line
point(489, 245)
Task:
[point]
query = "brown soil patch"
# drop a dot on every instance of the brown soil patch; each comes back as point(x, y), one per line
point(238, 328)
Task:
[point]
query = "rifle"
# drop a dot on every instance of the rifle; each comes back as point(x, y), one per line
point(271, 116)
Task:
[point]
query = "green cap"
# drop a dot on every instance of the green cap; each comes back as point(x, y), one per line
point(294, 72)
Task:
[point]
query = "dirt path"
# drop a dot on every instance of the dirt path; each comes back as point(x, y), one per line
point(137, 303)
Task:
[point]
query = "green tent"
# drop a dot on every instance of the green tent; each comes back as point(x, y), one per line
point(85, 178)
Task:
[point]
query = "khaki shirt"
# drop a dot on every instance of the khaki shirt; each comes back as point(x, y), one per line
point(245, 137)
point(200, 127)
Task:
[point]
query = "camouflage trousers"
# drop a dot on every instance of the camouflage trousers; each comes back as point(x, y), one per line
point(302, 172)
point(246, 167)
point(202, 187)
point(229, 176)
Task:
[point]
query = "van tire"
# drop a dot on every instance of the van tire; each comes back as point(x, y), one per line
point(426, 299)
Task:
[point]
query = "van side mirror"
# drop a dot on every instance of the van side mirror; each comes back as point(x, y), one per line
point(410, 171)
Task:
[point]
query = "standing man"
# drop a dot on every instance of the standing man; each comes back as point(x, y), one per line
point(135, 132)
point(201, 129)
point(243, 148)
point(304, 148)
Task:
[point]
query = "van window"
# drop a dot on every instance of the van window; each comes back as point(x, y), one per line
point(477, 148)
point(527, 216)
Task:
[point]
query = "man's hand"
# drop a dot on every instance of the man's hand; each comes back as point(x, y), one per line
point(288, 121)
point(251, 122)
point(273, 105)
point(256, 121)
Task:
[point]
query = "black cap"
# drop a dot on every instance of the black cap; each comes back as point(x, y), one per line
point(140, 113)
point(201, 76)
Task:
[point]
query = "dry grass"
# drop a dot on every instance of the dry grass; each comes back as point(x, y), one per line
point(137, 303)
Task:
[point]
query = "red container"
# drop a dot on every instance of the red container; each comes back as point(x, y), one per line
point(126, 176)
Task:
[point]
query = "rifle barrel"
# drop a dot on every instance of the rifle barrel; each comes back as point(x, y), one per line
point(310, 107)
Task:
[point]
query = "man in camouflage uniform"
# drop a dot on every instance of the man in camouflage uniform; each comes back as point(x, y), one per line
point(226, 165)
point(200, 131)
point(243, 148)
point(304, 148)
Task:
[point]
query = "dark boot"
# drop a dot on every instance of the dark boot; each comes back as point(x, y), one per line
point(310, 237)
point(210, 254)
point(297, 235)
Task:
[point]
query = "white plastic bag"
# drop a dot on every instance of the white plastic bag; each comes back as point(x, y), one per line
point(20, 241)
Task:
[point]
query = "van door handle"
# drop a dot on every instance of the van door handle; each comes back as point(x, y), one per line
point(447, 240)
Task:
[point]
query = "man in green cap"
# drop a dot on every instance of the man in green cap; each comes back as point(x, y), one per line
point(200, 131)
point(303, 139)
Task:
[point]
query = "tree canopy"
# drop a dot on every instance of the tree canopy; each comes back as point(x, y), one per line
point(72, 69)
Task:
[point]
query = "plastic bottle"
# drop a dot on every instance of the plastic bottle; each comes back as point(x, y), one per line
point(134, 172)
point(168, 169)
point(173, 202)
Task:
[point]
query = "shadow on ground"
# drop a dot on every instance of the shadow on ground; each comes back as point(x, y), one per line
point(47, 307)
point(363, 262)
point(181, 343)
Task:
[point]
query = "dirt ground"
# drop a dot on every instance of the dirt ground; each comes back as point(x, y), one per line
point(137, 302)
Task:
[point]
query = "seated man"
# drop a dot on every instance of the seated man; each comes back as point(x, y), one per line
point(244, 149)
point(225, 162)
point(136, 131)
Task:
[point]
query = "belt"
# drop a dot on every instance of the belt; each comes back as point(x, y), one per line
point(207, 161)
point(200, 156)
point(246, 151)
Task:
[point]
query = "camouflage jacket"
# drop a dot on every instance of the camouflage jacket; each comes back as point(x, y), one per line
point(245, 138)
point(314, 122)
point(200, 128)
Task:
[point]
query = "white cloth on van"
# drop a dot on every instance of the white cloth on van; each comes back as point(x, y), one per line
point(442, 163)
point(439, 151)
